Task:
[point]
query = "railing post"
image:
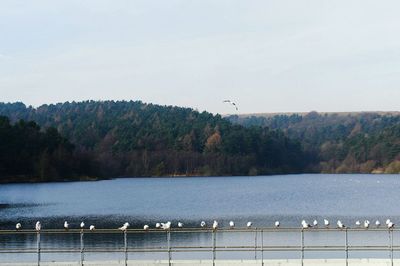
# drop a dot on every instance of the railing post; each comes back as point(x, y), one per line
point(302, 247)
point(82, 248)
point(213, 245)
point(346, 246)
point(262, 247)
point(169, 246)
point(126, 246)
point(391, 247)
point(38, 247)
point(255, 245)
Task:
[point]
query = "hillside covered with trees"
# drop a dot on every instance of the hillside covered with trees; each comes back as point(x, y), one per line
point(342, 142)
point(130, 138)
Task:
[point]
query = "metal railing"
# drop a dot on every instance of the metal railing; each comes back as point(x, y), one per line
point(213, 248)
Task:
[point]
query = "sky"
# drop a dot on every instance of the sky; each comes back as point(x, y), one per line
point(265, 55)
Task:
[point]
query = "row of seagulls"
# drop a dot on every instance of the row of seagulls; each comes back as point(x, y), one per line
point(167, 225)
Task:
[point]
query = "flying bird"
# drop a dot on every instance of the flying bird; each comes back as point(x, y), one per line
point(92, 228)
point(38, 226)
point(18, 226)
point(66, 225)
point(124, 227)
point(232, 103)
point(249, 224)
point(203, 224)
point(277, 224)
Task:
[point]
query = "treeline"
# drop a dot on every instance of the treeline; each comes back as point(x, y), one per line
point(341, 142)
point(131, 138)
point(31, 154)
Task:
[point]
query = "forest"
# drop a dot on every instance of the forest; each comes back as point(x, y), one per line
point(107, 139)
point(364, 142)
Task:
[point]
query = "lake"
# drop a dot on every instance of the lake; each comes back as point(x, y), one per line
point(260, 199)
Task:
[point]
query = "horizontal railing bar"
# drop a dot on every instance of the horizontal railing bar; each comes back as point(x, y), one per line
point(197, 230)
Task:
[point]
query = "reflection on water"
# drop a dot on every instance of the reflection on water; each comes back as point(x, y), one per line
point(109, 203)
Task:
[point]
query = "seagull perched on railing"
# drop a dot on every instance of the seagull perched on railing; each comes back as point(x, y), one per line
point(249, 224)
point(38, 226)
point(390, 225)
point(315, 223)
point(203, 224)
point(366, 224)
point(277, 224)
point(231, 224)
point(304, 224)
point(215, 225)
point(124, 227)
point(158, 225)
point(388, 221)
point(66, 225)
point(358, 223)
point(340, 224)
point(377, 223)
point(92, 228)
point(18, 226)
point(146, 227)
point(326, 223)
point(166, 226)
point(180, 225)
point(82, 225)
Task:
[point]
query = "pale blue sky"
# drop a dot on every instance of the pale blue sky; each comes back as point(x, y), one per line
point(268, 56)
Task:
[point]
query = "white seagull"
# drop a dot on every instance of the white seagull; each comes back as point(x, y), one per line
point(231, 224)
point(66, 225)
point(366, 224)
point(390, 225)
point(377, 223)
point(92, 228)
point(124, 227)
point(304, 224)
point(388, 221)
point(203, 224)
point(38, 226)
point(158, 225)
point(315, 223)
point(146, 227)
point(277, 224)
point(249, 224)
point(340, 224)
point(180, 225)
point(166, 226)
point(232, 103)
point(326, 223)
point(215, 225)
point(18, 226)
point(358, 223)
point(82, 225)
